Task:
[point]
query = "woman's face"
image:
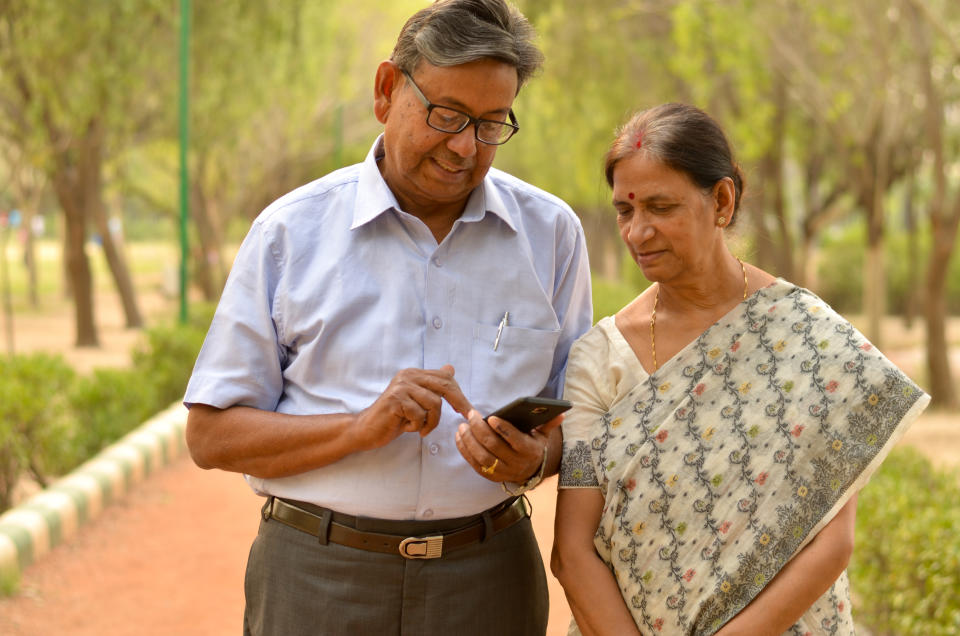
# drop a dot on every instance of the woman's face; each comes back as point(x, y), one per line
point(667, 222)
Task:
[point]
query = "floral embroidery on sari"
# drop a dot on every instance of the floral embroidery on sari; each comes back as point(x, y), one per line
point(724, 463)
point(577, 468)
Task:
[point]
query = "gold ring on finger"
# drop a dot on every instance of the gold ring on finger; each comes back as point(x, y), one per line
point(488, 470)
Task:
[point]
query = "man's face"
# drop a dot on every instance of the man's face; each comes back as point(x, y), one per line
point(425, 168)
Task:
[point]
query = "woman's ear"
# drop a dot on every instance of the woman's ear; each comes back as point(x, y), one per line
point(384, 84)
point(725, 199)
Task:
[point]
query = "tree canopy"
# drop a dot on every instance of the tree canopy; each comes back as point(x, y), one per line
point(839, 112)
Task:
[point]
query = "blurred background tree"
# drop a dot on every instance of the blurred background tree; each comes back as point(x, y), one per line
point(843, 114)
point(846, 117)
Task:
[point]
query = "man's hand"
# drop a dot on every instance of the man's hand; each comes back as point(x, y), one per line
point(513, 455)
point(411, 403)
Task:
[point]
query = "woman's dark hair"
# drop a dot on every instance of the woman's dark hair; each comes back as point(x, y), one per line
point(682, 137)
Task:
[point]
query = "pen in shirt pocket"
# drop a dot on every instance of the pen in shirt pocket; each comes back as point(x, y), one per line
point(503, 323)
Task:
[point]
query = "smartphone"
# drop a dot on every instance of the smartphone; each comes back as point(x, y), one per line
point(527, 413)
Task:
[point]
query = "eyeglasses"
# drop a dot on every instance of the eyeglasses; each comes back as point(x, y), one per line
point(453, 121)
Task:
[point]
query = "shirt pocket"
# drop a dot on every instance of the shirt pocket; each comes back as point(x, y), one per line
point(520, 365)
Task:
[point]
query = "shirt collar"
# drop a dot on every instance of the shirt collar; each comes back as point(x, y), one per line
point(374, 196)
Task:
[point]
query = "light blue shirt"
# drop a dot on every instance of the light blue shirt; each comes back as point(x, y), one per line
point(335, 290)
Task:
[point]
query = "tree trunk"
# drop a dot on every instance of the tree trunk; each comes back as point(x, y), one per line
point(873, 291)
point(815, 206)
point(873, 187)
point(77, 264)
point(874, 278)
point(64, 261)
point(943, 226)
point(784, 248)
point(913, 254)
point(943, 391)
point(765, 256)
point(770, 243)
point(30, 259)
point(807, 267)
point(71, 185)
point(117, 264)
point(91, 147)
point(30, 192)
point(209, 272)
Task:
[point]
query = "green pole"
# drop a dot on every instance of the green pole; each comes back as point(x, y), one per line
point(184, 139)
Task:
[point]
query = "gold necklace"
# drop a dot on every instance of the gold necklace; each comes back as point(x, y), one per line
point(656, 301)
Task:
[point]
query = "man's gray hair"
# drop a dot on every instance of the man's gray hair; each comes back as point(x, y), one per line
point(453, 32)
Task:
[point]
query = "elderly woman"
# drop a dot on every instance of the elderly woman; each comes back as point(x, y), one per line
point(724, 420)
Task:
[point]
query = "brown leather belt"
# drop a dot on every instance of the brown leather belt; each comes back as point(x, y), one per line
point(428, 547)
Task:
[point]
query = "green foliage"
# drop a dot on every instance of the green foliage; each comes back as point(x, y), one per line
point(840, 272)
point(104, 407)
point(52, 420)
point(840, 275)
point(166, 357)
point(610, 296)
point(32, 407)
point(73, 64)
point(905, 569)
point(632, 274)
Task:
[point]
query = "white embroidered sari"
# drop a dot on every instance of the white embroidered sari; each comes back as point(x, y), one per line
point(731, 457)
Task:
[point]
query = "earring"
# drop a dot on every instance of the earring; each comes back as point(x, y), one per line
point(721, 221)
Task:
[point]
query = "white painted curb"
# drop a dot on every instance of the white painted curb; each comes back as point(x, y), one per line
point(54, 515)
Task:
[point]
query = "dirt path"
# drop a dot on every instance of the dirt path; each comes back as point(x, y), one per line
point(166, 559)
point(169, 557)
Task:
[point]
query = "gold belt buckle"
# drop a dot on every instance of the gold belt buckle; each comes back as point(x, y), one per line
point(421, 547)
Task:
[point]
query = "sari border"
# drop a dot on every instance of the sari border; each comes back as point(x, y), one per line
point(867, 473)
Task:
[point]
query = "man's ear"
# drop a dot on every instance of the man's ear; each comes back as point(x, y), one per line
point(386, 81)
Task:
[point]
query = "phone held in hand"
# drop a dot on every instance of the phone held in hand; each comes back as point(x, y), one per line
point(527, 413)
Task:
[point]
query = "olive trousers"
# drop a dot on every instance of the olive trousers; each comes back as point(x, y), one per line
point(297, 587)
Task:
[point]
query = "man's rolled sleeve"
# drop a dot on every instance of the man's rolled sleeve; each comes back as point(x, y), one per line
point(241, 360)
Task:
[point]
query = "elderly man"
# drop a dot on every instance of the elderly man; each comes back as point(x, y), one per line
point(371, 319)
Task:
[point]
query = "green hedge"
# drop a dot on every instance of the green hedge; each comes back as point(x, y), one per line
point(905, 570)
point(33, 428)
point(53, 419)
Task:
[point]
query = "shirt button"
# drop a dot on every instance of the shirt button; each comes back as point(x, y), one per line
point(437, 323)
point(434, 449)
point(436, 262)
point(428, 513)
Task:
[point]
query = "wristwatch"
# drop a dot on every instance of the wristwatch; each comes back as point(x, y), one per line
point(530, 483)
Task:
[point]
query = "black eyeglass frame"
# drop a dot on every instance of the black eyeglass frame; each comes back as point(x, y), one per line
point(512, 125)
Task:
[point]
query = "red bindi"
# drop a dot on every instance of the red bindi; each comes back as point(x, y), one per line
point(630, 196)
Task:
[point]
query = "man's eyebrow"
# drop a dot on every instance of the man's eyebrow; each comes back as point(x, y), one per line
point(451, 102)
